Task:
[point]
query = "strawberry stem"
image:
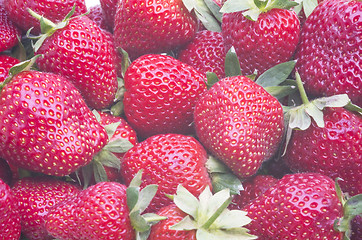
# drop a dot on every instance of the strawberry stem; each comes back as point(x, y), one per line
point(301, 89)
point(216, 214)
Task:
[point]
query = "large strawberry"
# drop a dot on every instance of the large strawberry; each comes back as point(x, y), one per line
point(239, 123)
point(10, 219)
point(144, 26)
point(299, 206)
point(9, 33)
point(332, 67)
point(167, 160)
point(160, 96)
point(53, 10)
point(205, 53)
point(263, 34)
point(35, 197)
point(46, 125)
point(80, 51)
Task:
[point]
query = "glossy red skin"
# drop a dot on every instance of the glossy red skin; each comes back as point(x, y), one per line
point(239, 123)
point(46, 126)
point(160, 96)
point(253, 188)
point(167, 160)
point(299, 206)
point(109, 7)
point(10, 219)
point(356, 226)
point(97, 14)
point(335, 150)
point(9, 33)
point(205, 53)
point(144, 26)
point(19, 14)
point(264, 43)
point(98, 212)
point(35, 197)
point(81, 52)
point(161, 231)
point(6, 62)
point(328, 67)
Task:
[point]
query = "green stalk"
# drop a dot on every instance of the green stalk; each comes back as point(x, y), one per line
point(217, 213)
point(301, 89)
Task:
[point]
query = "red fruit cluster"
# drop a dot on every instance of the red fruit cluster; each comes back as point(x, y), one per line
point(170, 108)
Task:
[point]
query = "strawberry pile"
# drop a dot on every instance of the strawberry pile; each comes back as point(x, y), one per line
point(181, 119)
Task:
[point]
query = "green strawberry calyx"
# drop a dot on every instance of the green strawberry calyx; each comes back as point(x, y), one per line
point(352, 207)
point(137, 201)
point(253, 8)
point(209, 216)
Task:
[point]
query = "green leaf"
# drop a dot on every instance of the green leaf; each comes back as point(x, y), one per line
point(232, 219)
point(185, 224)
point(99, 172)
point(280, 92)
point(145, 197)
point(185, 201)
point(232, 64)
point(137, 179)
point(97, 115)
point(353, 108)
point(126, 61)
point(222, 181)
point(221, 234)
point(299, 119)
point(138, 222)
point(309, 6)
point(120, 145)
point(281, 4)
point(317, 115)
point(132, 197)
point(276, 75)
point(107, 158)
point(215, 9)
point(211, 79)
point(111, 128)
point(339, 100)
point(237, 6)
point(87, 173)
point(214, 165)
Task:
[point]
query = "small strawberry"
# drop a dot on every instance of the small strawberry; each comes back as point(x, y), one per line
point(9, 33)
point(299, 206)
point(6, 62)
point(332, 67)
point(253, 188)
point(10, 219)
point(263, 33)
point(35, 197)
point(46, 126)
point(167, 160)
point(204, 218)
point(79, 50)
point(160, 96)
point(97, 15)
point(144, 26)
point(109, 8)
point(239, 123)
point(205, 53)
point(53, 10)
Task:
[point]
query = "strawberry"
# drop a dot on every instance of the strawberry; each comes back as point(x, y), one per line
point(144, 26)
point(332, 67)
point(205, 53)
point(206, 217)
point(46, 126)
point(167, 160)
point(97, 15)
point(239, 123)
point(253, 188)
point(35, 197)
point(10, 219)
point(299, 206)
point(9, 33)
point(6, 62)
point(109, 8)
point(18, 11)
point(261, 40)
point(160, 96)
point(80, 52)
point(357, 228)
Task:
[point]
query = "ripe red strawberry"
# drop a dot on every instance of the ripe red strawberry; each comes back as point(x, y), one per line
point(239, 123)
point(6, 62)
point(253, 188)
point(264, 41)
point(357, 228)
point(332, 67)
point(46, 126)
point(160, 96)
point(10, 219)
point(97, 15)
point(9, 33)
point(144, 26)
point(109, 8)
point(98, 212)
point(299, 206)
point(35, 197)
point(205, 53)
point(167, 160)
point(334, 150)
point(80, 52)
point(53, 10)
